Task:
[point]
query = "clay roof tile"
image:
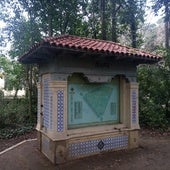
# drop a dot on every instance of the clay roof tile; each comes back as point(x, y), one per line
point(82, 43)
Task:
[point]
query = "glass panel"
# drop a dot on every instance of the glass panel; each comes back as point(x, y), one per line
point(92, 103)
point(113, 108)
point(78, 110)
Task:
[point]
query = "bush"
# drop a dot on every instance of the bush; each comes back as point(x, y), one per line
point(14, 112)
point(152, 116)
point(154, 96)
point(8, 133)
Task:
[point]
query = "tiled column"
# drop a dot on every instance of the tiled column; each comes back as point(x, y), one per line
point(133, 117)
point(59, 90)
point(54, 119)
point(134, 111)
point(58, 100)
point(61, 109)
point(133, 121)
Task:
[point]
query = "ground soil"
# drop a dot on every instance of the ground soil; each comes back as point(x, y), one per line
point(6, 143)
point(153, 154)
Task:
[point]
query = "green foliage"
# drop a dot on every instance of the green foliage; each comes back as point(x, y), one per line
point(131, 19)
point(164, 6)
point(9, 132)
point(1, 94)
point(30, 20)
point(14, 112)
point(13, 73)
point(154, 100)
point(106, 19)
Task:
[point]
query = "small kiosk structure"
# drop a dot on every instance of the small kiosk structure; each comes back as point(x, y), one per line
point(87, 96)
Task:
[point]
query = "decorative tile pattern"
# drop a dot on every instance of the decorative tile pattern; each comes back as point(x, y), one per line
point(134, 106)
point(60, 111)
point(100, 145)
point(51, 111)
point(95, 146)
point(46, 103)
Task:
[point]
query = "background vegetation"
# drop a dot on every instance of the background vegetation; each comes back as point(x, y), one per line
point(29, 21)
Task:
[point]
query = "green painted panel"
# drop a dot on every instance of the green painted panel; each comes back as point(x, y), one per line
point(93, 103)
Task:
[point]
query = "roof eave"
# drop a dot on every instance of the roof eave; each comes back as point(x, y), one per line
point(38, 54)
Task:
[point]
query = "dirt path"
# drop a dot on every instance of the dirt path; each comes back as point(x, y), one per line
point(152, 154)
point(6, 143)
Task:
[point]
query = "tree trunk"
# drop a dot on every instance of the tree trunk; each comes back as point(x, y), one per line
point(133, 33)
point(114, 23)
point(29, 68)
point(30, 92)
point(133, 24)
point(50, 27)
point(50, 17)
point(167, 27)
point(103, 19)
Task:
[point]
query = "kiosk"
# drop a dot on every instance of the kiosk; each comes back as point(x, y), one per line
point(87, 96)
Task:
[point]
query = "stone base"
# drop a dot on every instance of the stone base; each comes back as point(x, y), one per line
point(62, 151)
point(133, 139)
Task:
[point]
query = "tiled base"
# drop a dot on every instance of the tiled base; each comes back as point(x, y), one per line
point(84, 148)
point(48, 148)
point(62, 151)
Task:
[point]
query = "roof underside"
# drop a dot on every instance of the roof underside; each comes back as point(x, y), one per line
point(83, 47)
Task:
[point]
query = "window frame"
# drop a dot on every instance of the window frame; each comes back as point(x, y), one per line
point(115, 81)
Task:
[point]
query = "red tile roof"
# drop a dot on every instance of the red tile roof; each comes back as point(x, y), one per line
point(93, 45)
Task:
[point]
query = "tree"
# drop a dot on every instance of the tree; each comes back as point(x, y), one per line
point(115, 8)
point(154, 80)
point(92, 18)
point(55, 17)
point(22, 33)
point(164, 5)
point(103, 18)
point(154, 96)
point(12, 72)
point(32, 20)
point(153, 36)
point(131, 19)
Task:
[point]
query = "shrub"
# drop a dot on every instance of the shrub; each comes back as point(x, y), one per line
point(14, 112)
point(154, 96)
point(7, 133)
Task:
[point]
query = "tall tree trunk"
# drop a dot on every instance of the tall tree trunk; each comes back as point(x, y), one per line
point(133, 24)
point(167, 26)
point(94, 27)
point(50, 27)
point(16, 93)
point(114, 23)
point(133, 32)
point(103, 19)
point(29, 69)
point(50, 18)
